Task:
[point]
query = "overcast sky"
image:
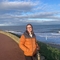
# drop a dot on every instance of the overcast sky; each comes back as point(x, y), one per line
point(18, 12)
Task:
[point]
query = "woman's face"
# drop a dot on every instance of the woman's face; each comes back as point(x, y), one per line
point(29, 28)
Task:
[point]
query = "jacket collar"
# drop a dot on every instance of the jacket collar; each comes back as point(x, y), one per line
point(28, 36)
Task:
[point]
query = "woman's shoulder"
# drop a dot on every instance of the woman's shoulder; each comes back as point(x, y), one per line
point(24, 34)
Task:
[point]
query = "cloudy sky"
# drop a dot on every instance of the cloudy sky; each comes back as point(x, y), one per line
point(18, 12)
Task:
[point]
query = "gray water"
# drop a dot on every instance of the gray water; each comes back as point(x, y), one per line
point(44, 33)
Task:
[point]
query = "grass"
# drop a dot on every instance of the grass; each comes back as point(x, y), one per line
point(49, 52)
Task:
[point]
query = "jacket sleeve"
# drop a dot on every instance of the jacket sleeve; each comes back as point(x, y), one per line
point(21, 43)
point(38, 47)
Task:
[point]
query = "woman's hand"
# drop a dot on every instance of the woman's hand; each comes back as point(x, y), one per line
point(38, 48)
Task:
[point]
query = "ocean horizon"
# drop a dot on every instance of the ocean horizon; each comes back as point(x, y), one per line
point(44, 33)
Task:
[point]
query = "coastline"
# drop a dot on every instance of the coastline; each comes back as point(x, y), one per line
point(50, 44)
point(14, 37)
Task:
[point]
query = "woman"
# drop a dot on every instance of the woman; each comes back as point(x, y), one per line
point(28, 43)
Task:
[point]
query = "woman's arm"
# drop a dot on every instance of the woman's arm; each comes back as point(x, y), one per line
point(38, 47)
point(21, 43)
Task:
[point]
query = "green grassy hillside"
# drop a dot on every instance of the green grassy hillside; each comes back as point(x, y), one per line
point(49, 52)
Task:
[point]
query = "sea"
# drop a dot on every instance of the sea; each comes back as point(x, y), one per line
point(44, 33)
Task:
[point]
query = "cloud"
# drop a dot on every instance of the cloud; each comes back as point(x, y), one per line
point(42, 15)
point(19, 12)
point(16, 6)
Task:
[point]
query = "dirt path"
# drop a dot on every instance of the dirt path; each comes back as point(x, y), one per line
point(9, 49)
